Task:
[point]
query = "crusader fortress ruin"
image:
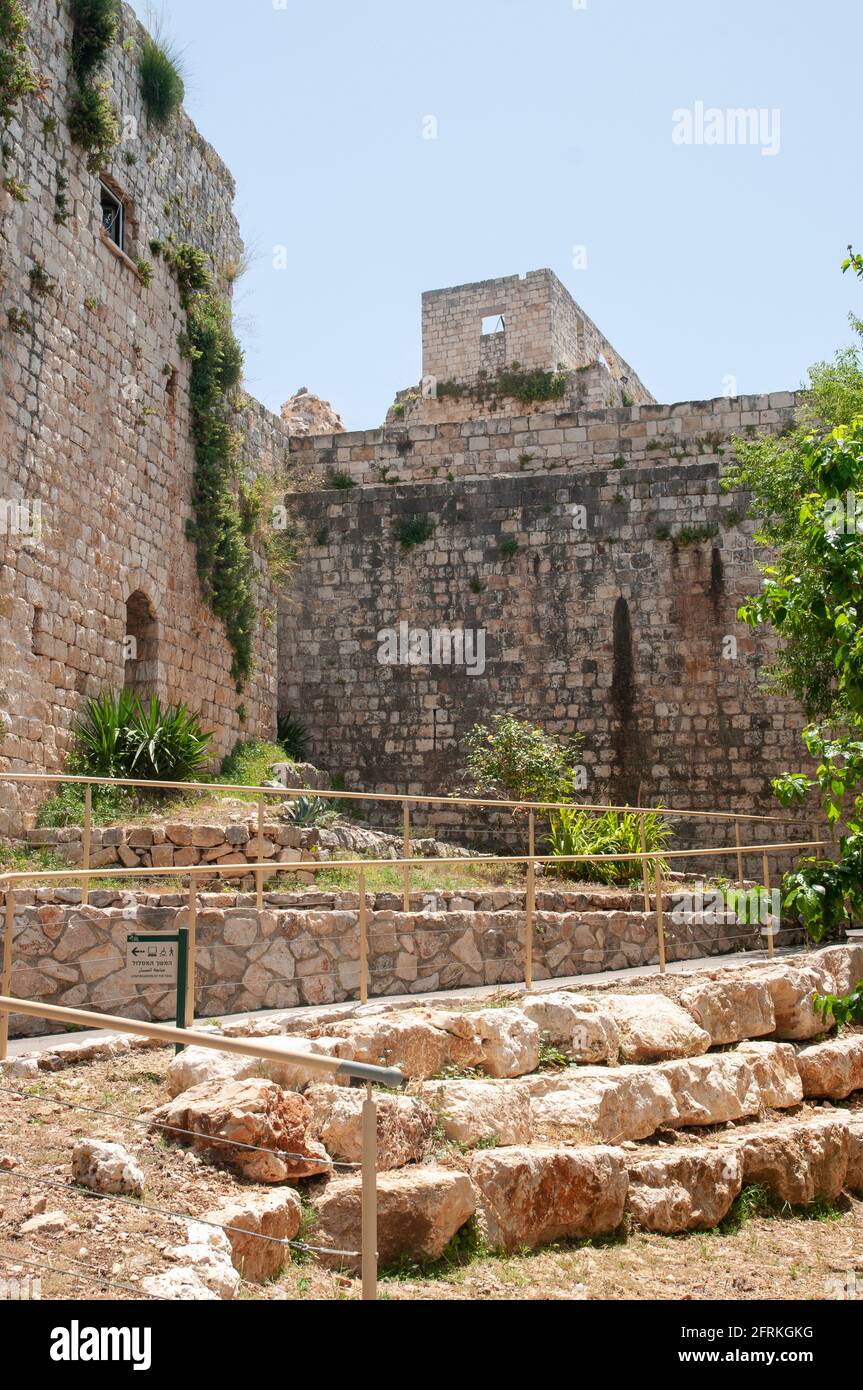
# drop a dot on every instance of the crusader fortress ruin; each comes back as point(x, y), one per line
point(563, 1059)
point(577, 525)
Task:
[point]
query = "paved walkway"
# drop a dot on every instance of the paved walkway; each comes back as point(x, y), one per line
point(45, 1043)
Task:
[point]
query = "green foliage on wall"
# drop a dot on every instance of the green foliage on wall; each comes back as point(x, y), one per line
point(526, 387)
point(220, 529)
point(162, 85)
point(414, 530)
point(92, 119)
point(17, 77)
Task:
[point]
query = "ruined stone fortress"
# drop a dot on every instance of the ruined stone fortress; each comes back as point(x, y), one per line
point(582, 532)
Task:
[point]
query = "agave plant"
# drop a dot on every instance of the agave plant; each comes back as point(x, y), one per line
point(309, 810)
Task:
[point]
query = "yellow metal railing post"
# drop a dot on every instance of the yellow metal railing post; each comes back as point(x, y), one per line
point(193, 931)
point(406, 854)
point(660, 920)
point(259, 873)
point(645, 867)
point(530, 905)
point(364, 944)
point(765, 866)
point(739, 854)
point(88, 834)
point(6, 976)
point(369, 1236)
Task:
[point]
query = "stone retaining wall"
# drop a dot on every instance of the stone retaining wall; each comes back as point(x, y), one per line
point(74, 955)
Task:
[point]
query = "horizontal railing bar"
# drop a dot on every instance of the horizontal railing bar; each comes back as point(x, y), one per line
point(315, 866)
point(164, 1032)
point(412, 800)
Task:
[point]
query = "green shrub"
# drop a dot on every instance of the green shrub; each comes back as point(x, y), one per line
point(118, 735)
point(162, 85)
point(95, 24)
point(613, 832)
point(528, 387)
point(339, 480)
point(414, 530)
point(17, 78)
point(518, 761)
point(845, 1008)
point(294, 738)
point(93, 123)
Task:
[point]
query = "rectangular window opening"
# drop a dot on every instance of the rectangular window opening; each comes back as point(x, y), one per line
point(493, 323)
point(113, 216)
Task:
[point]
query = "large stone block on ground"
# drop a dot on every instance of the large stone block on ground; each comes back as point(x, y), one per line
point(221, 1117)
point(576, 1025)
point(800, 1161)
point(843, 965)
point(105, 1167)
point(601, 1105)
point(178, 1285)
point(833, 1068)
point(653, 1028)
point(473, 1112)
point(419, 1212)
point(194, 1065)
point(404, 1125)
point(207, 1256)
point(420, 1042)
point(686, 1189)
point(731, 1009)
point(791, 989)
point(774, 1065)
point(259, 1223)
point(534, 1195)
point(509, 1041)
point(712, 1090)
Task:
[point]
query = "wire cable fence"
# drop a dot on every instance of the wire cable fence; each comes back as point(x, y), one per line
point(244, 1047)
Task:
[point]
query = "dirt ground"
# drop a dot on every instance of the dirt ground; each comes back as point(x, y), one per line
point(777, 1257)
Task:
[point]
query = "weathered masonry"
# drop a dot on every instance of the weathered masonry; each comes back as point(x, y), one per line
point(96, 454)
point(589, 553)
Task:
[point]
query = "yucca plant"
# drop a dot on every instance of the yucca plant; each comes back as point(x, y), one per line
point(294, 738)
point(612, 832)
point(166, 743)
point(100, 734)
point(118, 736)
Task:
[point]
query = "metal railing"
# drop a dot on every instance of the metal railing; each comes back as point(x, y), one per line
point(264, 1051)
point(406, 802)
point(651, 863)
point(361, 866)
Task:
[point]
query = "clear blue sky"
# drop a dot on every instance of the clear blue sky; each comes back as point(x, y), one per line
point(554, 130)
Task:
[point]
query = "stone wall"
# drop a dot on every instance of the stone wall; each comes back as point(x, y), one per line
point(94, 420)
point(308, 952)
point(602, 563)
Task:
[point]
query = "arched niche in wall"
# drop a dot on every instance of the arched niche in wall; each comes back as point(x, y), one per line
point(141, 646)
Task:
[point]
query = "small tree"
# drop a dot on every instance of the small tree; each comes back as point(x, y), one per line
point(518, 761)
point(807, 492)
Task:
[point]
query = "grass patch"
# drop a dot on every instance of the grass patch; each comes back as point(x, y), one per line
point(249, 764)
point(468, 1244)
point(162, 85)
